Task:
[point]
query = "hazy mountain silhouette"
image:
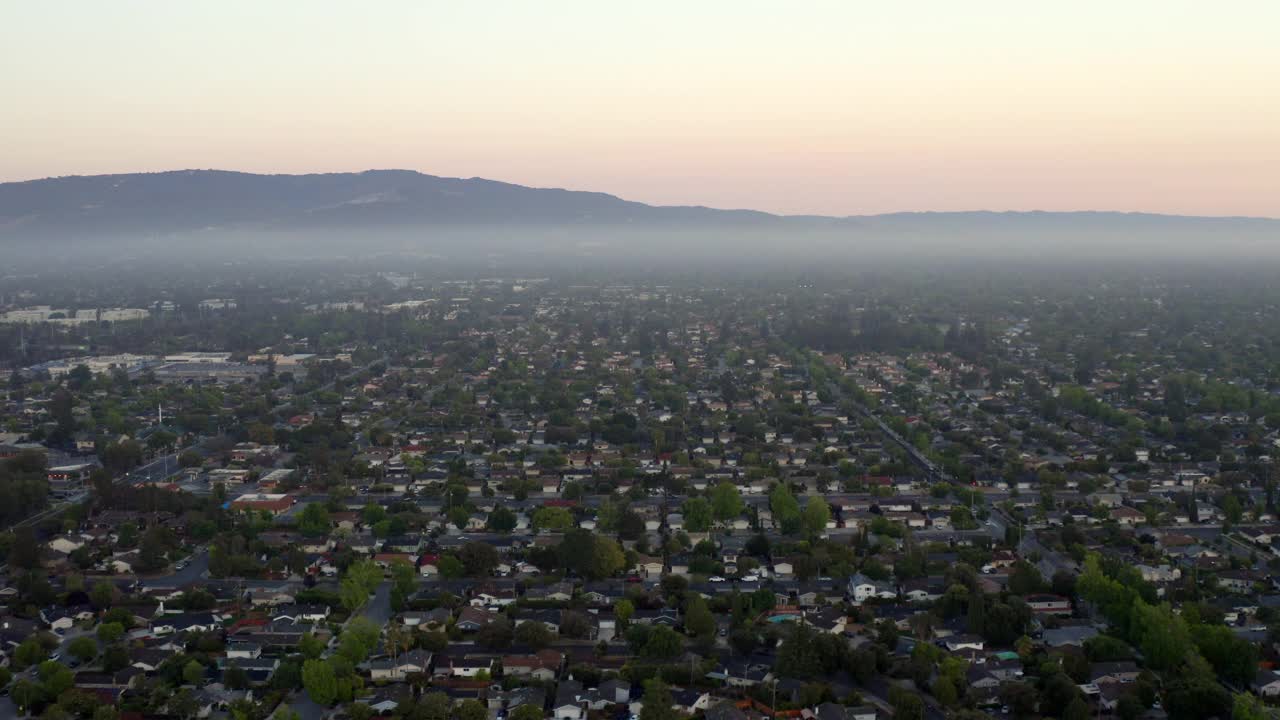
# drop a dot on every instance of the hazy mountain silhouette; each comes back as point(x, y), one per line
point(386, 203)
point(201, 199)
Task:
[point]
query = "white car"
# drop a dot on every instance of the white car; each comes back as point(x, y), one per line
point(716, 578)
point(750, 578)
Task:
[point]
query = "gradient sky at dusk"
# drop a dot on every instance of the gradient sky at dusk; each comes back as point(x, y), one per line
point(836, 107)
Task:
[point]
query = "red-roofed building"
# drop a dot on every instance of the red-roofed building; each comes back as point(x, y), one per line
point(428, 564)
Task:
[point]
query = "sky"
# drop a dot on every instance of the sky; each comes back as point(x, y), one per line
point(839, 108)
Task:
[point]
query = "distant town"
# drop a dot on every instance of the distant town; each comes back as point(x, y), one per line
point(351, 492)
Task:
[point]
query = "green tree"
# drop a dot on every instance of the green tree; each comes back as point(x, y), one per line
point(235, 678)
point(319, 680)
point(372, 514)
point(114, 657)
point(697, 514)
point(1246, 706)
point(109, 632)
point(1025, 579)
point(1195, 693)
point(55, 678)
point(623, 610)
point(607, 558)
point(906, 704)
point(127, 535)
point(557, 519)
point(1077, 709)
point(470, 710)
point(816, 515)
point(434, 706)
point(83, 648)
point(534, 634)
point(102, 594)
point(663, 643)
point(497, 634)
point(805, 654)
point(26, 693)
point(314, 520)
point(1234, 659)
point(1233, 511)
point(288, 675)
point(726, 501)
point(944, 691)
point(76, 704)
point(526, 712)
point(976, 622)
point(24, 551)
point(30, 652)
point(698, 620)
point(576, 550)
point(478, 558)
point(658, 702)
point(785, 508)
point(502, 520)
point(1057, 689)
point(160, 439)
point(404, 578)
point(1105, 648)
point(359, 638)
point(367, 573)
point(310, 646)
point(352, 594)
point(193, 673)
point(1161, 634)
point(451, 567)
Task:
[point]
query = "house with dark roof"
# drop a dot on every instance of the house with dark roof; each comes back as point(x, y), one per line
point(400, 667)
point(568, 702)
point(724, 710)
point(472, 619)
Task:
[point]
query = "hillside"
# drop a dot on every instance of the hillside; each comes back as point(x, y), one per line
point(403, 209)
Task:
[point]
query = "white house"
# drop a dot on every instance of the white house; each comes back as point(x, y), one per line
point(862, 588)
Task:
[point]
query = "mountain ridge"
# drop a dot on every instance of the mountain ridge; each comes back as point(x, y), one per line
point(401, 208)
point(388, 173)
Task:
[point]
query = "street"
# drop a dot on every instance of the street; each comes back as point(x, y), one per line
point(158, 469)
point(197, 569)
point(378, 609)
